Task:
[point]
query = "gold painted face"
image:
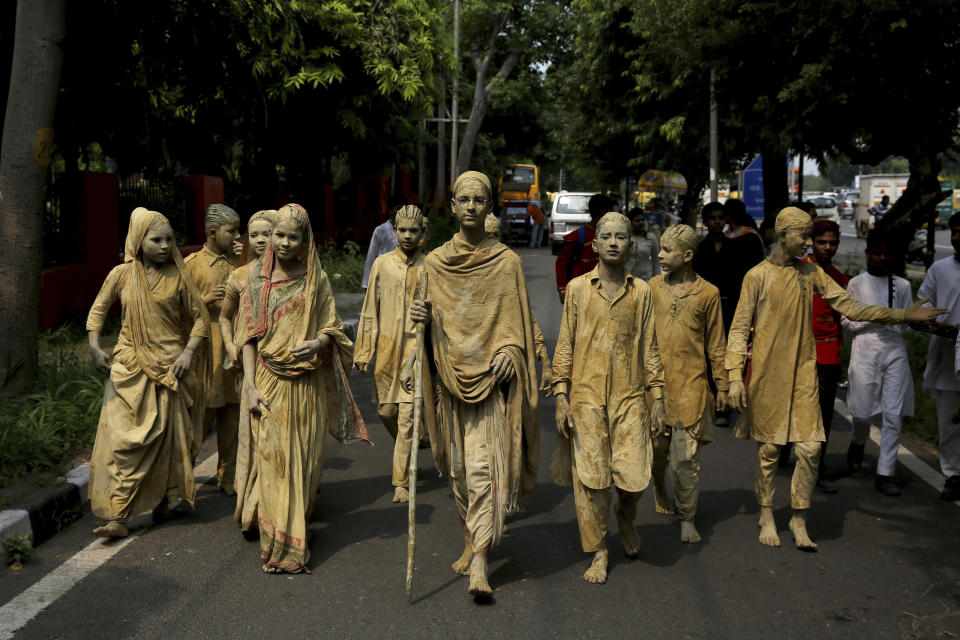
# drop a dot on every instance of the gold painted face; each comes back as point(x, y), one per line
point(612, 244)
point(409, 234)
point(258, 235)
point(287, 240)
point(157, 245)
point(226, 235)
point(471, 204)
point(672, 256)
point(796, 242)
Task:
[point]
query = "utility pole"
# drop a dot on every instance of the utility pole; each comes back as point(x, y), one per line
point(441, 146)
point(421, 166)
point(714, 155)
point(454, 115)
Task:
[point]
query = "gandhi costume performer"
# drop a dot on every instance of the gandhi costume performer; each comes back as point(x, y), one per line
point(481, 324)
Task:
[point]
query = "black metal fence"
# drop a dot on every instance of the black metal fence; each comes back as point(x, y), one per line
point(173, 197)
point(63, 220)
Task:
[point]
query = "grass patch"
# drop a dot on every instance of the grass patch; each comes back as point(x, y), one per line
point(923, 425)
point(42, 431)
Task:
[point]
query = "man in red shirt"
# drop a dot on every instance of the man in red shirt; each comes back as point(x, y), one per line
point(577, 256)
point(829, 336)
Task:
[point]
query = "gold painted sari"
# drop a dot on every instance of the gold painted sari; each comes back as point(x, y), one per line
point(305, 399)
point(145, 440)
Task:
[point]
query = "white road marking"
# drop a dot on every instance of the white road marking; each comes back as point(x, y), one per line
point(926, 473)
point(24, 607)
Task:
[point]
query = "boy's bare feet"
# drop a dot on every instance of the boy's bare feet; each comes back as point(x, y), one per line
point(597, 573)
point(798, 525)
point(113, 529)
point(768, 528)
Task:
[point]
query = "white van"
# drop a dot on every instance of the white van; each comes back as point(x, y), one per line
point(569, 213)
point(872, 189)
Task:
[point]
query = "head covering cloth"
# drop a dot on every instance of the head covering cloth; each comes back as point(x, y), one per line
point(268, 215)
point(264, 215)
point(140, 309)
point(793, 218)
point(491, 224)
point(475, 176)
point(682, 235)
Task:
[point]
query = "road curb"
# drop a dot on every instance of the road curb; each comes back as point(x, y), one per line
point(44, 512)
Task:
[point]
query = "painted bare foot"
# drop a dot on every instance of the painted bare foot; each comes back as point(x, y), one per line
point(400, 494)
point(628, 535)
point(662, 501)
point(597, 573)
point(113, 529)
point(768, 528)
point(462, 565)
point(688, 532)
point(479, 587)
point(798, 525)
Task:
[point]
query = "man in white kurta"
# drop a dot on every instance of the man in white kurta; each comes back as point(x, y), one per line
point(942, 286)
point(879, 372)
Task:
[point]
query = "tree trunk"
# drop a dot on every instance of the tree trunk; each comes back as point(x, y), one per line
point(483, 93)
point(691, 203)
point(914, 207)
point(774, 182)
point(25, 156)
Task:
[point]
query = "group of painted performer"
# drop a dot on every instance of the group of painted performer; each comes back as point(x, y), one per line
point(630, 374)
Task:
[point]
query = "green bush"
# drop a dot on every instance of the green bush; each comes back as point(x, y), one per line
point(343, 265)
point(42, 431)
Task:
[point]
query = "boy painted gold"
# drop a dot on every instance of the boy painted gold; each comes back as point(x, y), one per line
point(387, 331)
point(606, 361)
point(784, 403)
point(690, 333)
point(209, 268)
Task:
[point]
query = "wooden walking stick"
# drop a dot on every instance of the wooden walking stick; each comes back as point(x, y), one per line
point(420, 294)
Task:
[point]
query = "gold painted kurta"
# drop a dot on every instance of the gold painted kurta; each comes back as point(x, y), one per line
point(782, 397)
point(385, 327)
point(490, 431)
point(689, 331)
point(142, 454)
point(208, 270)
point(607, 359)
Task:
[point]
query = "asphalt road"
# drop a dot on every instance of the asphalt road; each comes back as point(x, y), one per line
point(886, 568)
point(851, 245)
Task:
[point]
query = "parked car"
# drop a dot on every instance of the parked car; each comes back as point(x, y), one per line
point(826, 208)
point(569, 213)
point(848, 204)
point(515, 223)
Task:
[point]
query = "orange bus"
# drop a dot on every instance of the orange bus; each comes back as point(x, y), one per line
point(520, 182)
